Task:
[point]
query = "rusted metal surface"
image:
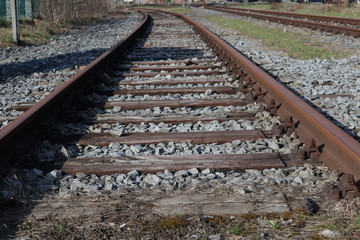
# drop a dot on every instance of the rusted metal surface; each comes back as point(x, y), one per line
point(20, 133)
point(337, 149)
point(345, 188)
point(352, 21)
point(313, 25)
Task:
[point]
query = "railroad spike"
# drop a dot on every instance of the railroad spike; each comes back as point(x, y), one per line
point(249, 97)
point(261, 108)
point(289, 126)
point(277, 129)
point(248, 81)
point(272, 108)
point(259, 93)
point(311, 150)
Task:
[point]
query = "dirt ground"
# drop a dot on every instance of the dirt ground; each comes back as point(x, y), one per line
point(195, 213)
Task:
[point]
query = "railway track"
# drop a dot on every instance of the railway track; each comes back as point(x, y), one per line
point(318, 18)
point(173, 103)
point(335, 25)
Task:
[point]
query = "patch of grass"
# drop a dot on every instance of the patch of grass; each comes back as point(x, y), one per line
point(35, 32)
point(5, 37)
point(294, 44)
point(264, 6)
point(357, 223)
point(25, 225)
point(171, 223)
point(177, 215)
point(274, 223)
point(179, 10)
point(33, 35)
point(29, 225)
point(331, 10)
point(31, 32)
point(235, 229)
point(61, 227)
point(117, 206)
point(217, 221)
point(4, 23)
point(335, 223)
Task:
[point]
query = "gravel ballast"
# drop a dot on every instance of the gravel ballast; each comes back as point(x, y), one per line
point(311, 79)
point(30, 73)
point(200, 203)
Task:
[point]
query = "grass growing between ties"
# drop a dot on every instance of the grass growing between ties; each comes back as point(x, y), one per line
point(294, 44)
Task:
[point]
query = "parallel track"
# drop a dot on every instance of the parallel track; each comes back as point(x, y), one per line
point(119, 71)
point(289, 19)
point(319, 18)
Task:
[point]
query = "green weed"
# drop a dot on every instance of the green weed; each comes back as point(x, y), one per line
point(4, 23)
point(274, 223)
point(25, 225)
point(61, 227)
point(295, 44)
point(171, 223)
point(235, 229)
point(357, 222)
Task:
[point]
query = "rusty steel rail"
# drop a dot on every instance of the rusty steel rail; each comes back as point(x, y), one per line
point(355, 32)
point(21, 132)
point(324, 139)
point(351, 21)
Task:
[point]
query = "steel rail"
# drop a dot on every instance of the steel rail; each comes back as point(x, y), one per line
point(325, 27)
point(334, 147)
point(21, 132)
point(353, 21)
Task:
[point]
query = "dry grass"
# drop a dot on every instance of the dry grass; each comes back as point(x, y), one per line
point(342, 218)
point(40, 31)
point(53, 17)
point(129, 215)
point(31, 32)
point(275, 6)
point(293, 43)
